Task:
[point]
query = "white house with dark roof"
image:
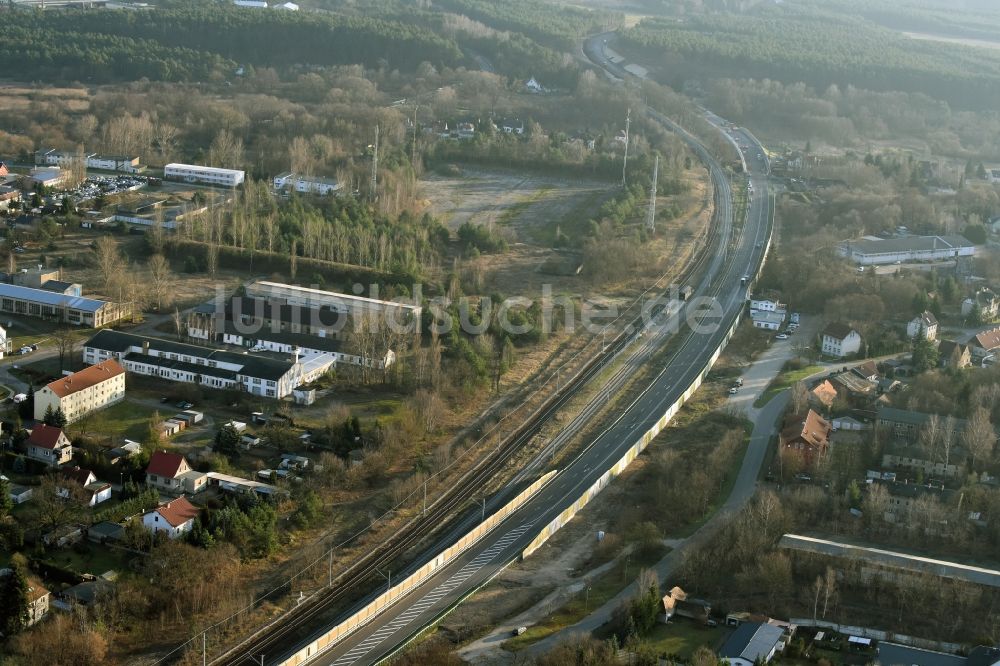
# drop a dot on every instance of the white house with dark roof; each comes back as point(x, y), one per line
point(924, 325)
point(49, 445)
point(840, 340)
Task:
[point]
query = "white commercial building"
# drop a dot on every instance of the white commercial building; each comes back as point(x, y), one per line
point(63, 158)
point(193, 173)
point(769, 321)
point(314, 298)
point(213, 368)
point(880, 251)
point(306, 184)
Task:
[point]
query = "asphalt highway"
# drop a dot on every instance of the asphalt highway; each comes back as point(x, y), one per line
point(722, 281)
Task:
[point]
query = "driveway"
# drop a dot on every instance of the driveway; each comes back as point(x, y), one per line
point(759, 375)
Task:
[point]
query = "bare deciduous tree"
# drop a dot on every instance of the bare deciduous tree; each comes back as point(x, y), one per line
point(110, 263)
point(979, 437)
point(161, 280)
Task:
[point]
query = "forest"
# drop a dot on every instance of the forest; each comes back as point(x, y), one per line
point(818, 46)
point(187, 42)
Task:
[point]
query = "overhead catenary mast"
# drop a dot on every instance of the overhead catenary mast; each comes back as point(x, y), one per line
point(374, 181)
point(628, 121)
point(651, 213)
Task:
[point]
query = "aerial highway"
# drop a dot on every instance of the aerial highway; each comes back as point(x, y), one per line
point(722, 280)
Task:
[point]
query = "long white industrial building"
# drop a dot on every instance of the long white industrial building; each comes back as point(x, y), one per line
point(193, 173)
point(875, 251)
point(357, 306)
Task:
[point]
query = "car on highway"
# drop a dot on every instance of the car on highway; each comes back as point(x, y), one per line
point(781, 336)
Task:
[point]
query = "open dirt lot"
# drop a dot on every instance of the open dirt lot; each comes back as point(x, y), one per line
point(525, 204)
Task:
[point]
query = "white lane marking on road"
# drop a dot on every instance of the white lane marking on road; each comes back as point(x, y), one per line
point(432, 597)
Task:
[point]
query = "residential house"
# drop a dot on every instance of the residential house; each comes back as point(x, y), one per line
point(83, 392)
point(867, 370)
point(287, 6)
point(171, 472)
point(752, 643)
point(510, 126)
point(174, 518)
point(767, 303)
point(9, 197)
point(858, 390)
point(768, 321)
point(4, 171)
point(906, 424)
point(38, 600)
point(913, 459)
point(678, 603)
point(807, 436)
point(823, 394)
point(986, 300)
point(849, 423)
point(904, 499)
point(49, 445)
point(533, 86)
point(953, 354)
point(985, 344)
point(924, 325)
point(82, 484)
point(840, 340)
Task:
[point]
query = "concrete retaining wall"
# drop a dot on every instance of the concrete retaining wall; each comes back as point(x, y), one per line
point(643, 442)
point(414, 580)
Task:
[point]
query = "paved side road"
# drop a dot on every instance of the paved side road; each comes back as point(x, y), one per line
point(743, 490)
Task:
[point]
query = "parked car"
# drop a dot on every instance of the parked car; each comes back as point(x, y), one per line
point(183, 404)
point(739, 381)
point(781, 336)
point(734, 390)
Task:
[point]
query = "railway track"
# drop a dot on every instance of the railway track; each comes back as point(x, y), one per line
point(365, 573)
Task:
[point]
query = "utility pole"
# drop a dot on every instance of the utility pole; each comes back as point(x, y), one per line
point(413, 149)
point(424, 511)
point(628, 122)
point(331, 567)
point(204, 648)
point(483, 519)
point(374, 180)
point(651, 213)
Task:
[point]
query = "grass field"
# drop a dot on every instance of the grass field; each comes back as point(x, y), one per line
point(785, 381)
point(89, 558)
point(682, 637)
point(126, 419)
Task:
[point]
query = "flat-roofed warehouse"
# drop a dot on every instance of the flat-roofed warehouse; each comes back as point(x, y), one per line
point(194, 173)
point(355, 305)
point(892, 559)
point(46, 304)
point(874, 251)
